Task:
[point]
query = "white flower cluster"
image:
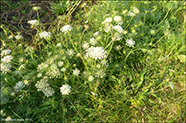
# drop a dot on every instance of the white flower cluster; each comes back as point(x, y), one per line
point(96, 52)
point(108, 27)
point(60, 63)
point(5, 52)
point(65, 89)
point(130, 42)
point(107, 20)
point(85, 45)
point(7, 59)
point(133, 11)
point(42, 85)
point(66, 29)
point(42, 67)
point(93, 41)
point(5, 65)
point(48, 91)
point(76, 72)
point(45, 35)
point(118, 20)
point(131, 14)
point(53, 71)
point(117, 36)
point(33, 22)
point(70, 52)
point(19, 86)
point(118, 28)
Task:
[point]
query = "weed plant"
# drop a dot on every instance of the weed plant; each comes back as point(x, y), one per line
point(113, 62)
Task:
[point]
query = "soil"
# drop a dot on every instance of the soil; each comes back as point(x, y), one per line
point(17, 20)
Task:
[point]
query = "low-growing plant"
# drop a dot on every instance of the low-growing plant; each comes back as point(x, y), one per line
point(123, 62)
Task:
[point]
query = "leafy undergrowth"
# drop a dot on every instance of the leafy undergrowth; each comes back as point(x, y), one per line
point(109, 62)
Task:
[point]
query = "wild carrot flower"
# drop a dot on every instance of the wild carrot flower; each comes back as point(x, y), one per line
point(33, 22)
point(96, 52)
point(108, 27)
point(53, 71)
point(118, 28)
point(48, 91)
point(85, 45)
point(7, 59)
point(39, 75)
point(66, 28)
point(93, 41)
point(5, 67)
point(131, 14)
point(63, 69)
point(135, 10)
point(76, 72)
point(19, 86)
point(118, 20)
point(45, 35)
point(117, 36)
point(65, 89)
point(60, 63)
point(5, 52)
point(70, 52)
point(90, 78)
point(107, 20)
point(130, 42)
point(42, 66)
point(42, 84)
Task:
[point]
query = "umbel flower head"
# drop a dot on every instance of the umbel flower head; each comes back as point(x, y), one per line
point(48, 91)
point(45, 35)
point(19, 86)
point(130, 42)
point(33, 22)
point(76, 72)
point(5, 67)
point(7, 59)
point(66, 28)
point(96, 52)
point(118, 20)
point(107, 20)
point(42, 84)
point(65, 89)
point(5, 52)
point(118, 28)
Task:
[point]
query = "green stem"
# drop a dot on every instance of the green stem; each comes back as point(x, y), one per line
point(74, 107)
point(130, 53)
